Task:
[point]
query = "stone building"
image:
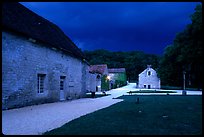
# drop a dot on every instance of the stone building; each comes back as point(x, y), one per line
point(117, 77)
point(149, 79)
point(101, 77)
point(93, 82)
point(39, 62)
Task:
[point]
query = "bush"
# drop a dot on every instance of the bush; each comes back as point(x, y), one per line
point(104, 83)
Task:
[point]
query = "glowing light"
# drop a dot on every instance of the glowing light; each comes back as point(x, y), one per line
point(108, 77)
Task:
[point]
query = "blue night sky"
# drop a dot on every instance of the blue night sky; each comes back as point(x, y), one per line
point(118, 26)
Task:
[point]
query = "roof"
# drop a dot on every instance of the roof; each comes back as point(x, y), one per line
point(116, 70)
point(19, 19)
point(98, 68)
point(146, 70)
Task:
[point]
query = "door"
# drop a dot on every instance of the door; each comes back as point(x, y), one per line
point(111, 85)
point(144, 86)
point(62, 79)
point(149, 86)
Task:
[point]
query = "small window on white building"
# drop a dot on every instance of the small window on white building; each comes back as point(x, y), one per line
point(149, 73)
point(144, 86)
point(41, 80)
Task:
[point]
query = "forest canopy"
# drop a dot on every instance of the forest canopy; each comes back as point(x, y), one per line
point(134, 62)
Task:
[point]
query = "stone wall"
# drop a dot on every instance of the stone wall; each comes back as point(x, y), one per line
point(98, 82)
point(23, 60)
point(91, 83)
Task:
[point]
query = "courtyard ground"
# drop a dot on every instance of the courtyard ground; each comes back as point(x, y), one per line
point(152, 115)
point(37, 119)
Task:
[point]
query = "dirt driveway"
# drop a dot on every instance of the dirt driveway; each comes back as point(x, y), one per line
point(34, 120)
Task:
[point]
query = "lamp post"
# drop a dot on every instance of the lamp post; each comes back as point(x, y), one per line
point(184, 81)
point(108, 80)
point(108, 77)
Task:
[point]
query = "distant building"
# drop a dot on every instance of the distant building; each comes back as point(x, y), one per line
point(94, 83)
point(149, 79)
point(117, 77)
point(39, 62)
point(102, 82)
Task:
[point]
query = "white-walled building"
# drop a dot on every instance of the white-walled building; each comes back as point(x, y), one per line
point(149, 79)
point(100, 70)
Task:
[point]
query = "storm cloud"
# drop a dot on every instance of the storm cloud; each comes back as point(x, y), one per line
point(118, 26)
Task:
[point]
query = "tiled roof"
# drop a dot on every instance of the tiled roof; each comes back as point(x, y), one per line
point(19, 19)
point(98, 68)
point(116, 70)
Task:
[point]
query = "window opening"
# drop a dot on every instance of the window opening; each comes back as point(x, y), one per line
point(41, 79)
point(62, 78)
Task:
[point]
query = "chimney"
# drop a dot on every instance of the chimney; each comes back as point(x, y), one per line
point(149, 66)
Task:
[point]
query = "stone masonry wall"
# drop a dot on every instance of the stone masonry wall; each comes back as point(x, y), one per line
point(91, 86)
point(23, 60)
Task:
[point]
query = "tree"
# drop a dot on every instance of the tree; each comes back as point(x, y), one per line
point(185, 54)
point(134, 61)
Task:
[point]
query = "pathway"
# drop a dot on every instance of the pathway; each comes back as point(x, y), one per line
point(37, 119)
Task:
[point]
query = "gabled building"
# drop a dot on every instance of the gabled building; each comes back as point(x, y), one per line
point(39, 62)
point(117, 77)
point(94, 81)
point(102, 81)
point(148, 79)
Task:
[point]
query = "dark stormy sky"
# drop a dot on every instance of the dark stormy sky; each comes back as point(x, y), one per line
point(118, 26)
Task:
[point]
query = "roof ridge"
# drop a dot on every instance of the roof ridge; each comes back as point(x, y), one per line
point(30, 24)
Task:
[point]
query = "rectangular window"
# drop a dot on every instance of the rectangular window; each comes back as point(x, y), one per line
point(149, 86)
point(149, 73)
point(62, 78)
point(144, 86)
point(41, 79)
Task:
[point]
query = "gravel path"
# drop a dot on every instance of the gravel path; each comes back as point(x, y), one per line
point(37, 119)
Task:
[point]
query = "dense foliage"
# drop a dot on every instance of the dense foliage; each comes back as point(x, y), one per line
point(184, 55)
point(134, 62)
point(104, 83)
point(121, 80)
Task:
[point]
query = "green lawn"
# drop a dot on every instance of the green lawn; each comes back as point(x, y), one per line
point(178, 88)
point(154, 115)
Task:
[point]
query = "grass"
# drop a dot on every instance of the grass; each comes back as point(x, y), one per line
point(154, 115)
point(178, 88)
point(152, 91)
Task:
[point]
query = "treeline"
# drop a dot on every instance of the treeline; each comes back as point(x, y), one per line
point(184, 55)
point(134, 62)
